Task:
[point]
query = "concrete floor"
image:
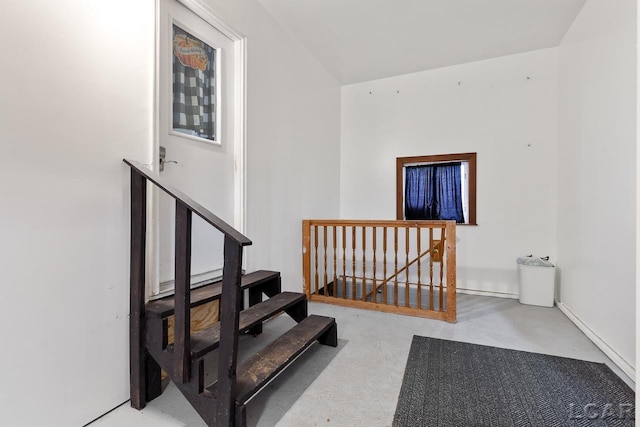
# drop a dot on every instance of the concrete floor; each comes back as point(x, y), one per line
point(357, 383)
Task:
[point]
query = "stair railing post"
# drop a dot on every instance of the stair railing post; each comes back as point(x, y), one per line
point(450, 254)
point(182, 319)
point(306, 257)
point(229, 317)
point(137, 360)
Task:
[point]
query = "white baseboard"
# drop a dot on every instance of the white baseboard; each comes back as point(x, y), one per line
point(599, 342)
point(486, 293)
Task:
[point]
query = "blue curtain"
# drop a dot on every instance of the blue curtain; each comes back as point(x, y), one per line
point(419, 196)
point(449, 192)
point(433, 192)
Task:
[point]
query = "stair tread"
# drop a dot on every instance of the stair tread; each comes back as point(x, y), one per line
point(165, 307)
point(260, 368)
point(208, 339)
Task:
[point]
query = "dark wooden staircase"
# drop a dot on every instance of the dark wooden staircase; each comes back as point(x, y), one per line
point(223, 402)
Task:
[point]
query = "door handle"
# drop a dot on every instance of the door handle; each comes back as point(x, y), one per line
point(163, 155)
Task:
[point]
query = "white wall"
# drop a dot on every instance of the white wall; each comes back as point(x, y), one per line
point(76, 97)
point(597, 177)
point(293, 141)
point(505, 110)
point(77, 87)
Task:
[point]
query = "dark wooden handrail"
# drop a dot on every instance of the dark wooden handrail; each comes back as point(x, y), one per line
point(193, 206)
point(230, 301)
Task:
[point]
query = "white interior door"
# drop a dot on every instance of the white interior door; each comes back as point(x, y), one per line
point(197, 126)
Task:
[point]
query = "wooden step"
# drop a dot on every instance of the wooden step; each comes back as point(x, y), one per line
point(260, 368)
point(202, 342)
point(165, 307)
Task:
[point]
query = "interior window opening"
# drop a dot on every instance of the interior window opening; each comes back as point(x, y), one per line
point(440, 187)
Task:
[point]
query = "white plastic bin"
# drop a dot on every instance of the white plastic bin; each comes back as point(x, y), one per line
point(537, 284)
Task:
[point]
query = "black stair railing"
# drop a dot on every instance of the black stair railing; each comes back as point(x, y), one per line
point(144, 383)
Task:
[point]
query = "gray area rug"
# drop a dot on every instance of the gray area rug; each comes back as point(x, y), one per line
point(449, 383)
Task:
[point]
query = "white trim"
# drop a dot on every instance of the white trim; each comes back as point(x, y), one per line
point(240, 132)
point(218, 83)
point(152, 271)
point(486, 293)
point(599, 342)
point(196, 138)
point(153, 200)
point(637, 306)
point(205, 12)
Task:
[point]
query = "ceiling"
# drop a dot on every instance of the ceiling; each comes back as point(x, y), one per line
point(361, 40)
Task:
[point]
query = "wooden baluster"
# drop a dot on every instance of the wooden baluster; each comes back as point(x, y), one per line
point(441, 253)
point(344, 261)
point(384, 265)
point(364, 263)
point(137, 359)
point(353, 262)
point(315, 245)
point(374, 230)
point(431, 268)
point(327, 292)
point(419, 291)
point(230, 301)
point(395, 266)
point(407, 295)
point(335, 262)
point(182, 317)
